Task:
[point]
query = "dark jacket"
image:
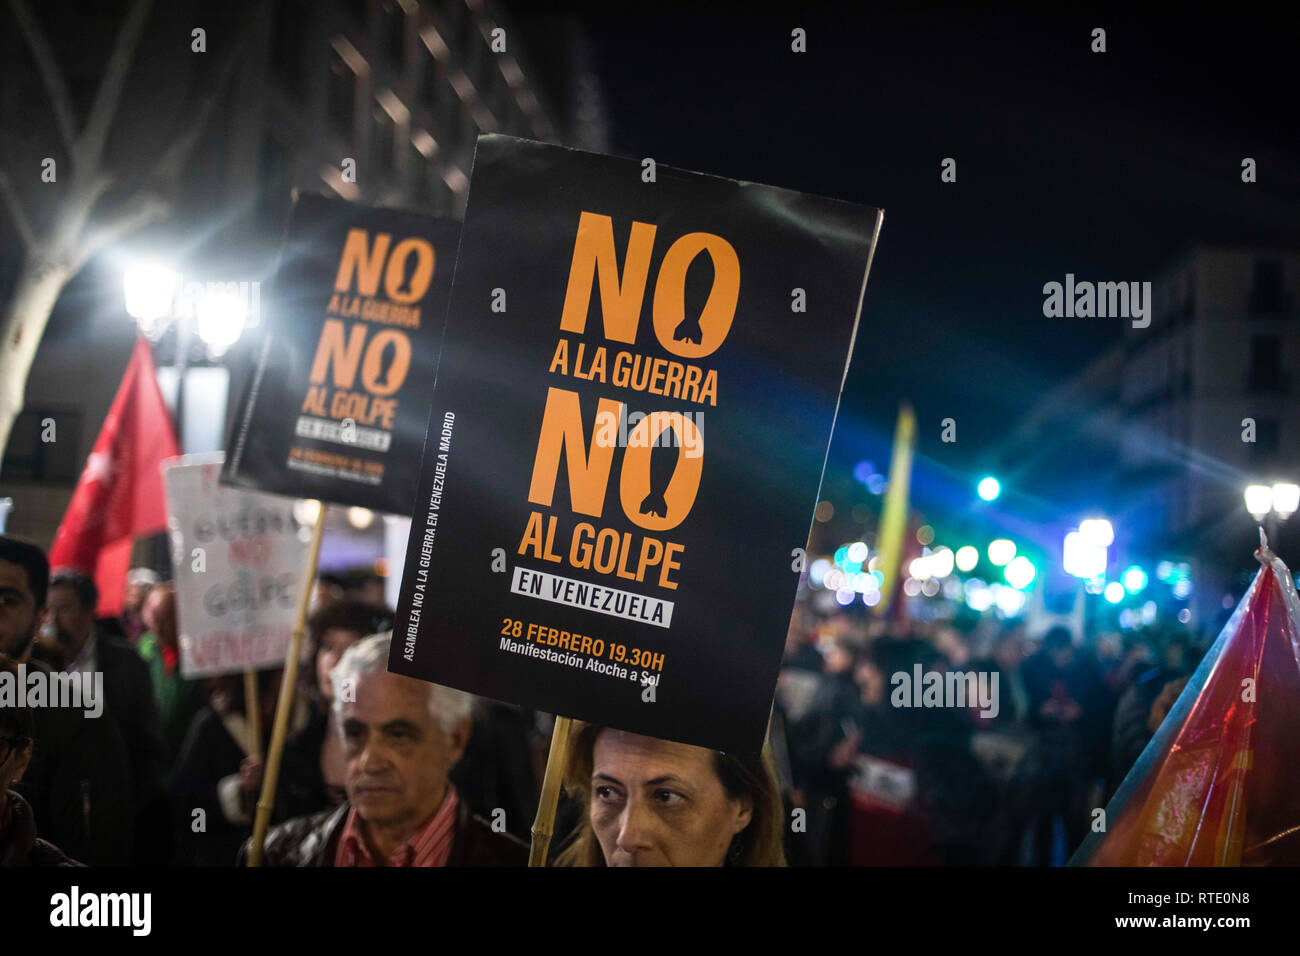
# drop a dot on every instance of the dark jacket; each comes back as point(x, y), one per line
point(302, 791)
point(19, 844)
point(208, 754)
point(128, 691)
point(314, 840)
point(80, 786)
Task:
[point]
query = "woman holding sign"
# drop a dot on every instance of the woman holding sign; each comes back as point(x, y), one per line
point(654, 802)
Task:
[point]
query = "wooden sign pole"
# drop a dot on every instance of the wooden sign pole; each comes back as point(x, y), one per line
point(280, 729)
point(253, 712)
point(544, 822)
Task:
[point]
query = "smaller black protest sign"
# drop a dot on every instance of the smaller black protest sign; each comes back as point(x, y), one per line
point(338, 402)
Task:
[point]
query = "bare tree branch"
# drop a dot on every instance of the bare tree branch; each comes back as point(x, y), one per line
point(55, 86)
point(14, 205)
point(90, 147)
point(146, 210)
point(172, 162)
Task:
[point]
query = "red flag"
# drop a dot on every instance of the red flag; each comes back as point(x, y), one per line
point(1216, 785)
point(120, 493)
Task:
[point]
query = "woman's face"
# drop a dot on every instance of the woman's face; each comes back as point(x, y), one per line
point(658, 803)
point(332, 645)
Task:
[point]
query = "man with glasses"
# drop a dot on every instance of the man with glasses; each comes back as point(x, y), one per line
point(19, 844)
point(77, 777)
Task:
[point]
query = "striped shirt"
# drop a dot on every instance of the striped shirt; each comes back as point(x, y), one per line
point(429, 846)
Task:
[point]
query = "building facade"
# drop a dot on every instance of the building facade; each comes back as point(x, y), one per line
point(376, 101)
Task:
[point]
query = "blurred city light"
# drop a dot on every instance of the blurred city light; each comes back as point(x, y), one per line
point(360, 518)
point(220, 318)
point(1020, 572)
point(306, 511)
point(978, 595)
point(989, 488)
point(1286, 498)
point(941, 562)
point(967, 557)
point(149, 289)
point(845, 595)
point(1081, 557)
point(924, 535)
point(1001, 551)
point(817, 572)
point(863, 471)
point(1259, 501)
point(1134, 579)
point(858, 552)
point(1114, 592)
point(1097, 531)
point(1009, 600)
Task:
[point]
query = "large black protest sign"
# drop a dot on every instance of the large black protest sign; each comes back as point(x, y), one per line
point(634, 402)
point(337, 405)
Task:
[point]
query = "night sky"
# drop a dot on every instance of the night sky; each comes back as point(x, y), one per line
point(1105, 165)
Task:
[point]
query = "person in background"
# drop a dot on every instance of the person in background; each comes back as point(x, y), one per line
point(329, 588)
point(218, 777)
point(313, 768)
point(372, 589)
point(1145, 699)
point(129, 700)
point(801, 643)
point(652, 802)
point(496, 770)
point(823, 746)
point(1068, 710)
point(139, 581)
point(1005, 660)
point(401, 737)
point(78, 780)
point(159, 646)
point(19, 844)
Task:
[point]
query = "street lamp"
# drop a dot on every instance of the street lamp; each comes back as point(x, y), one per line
point(221, 318)
point(1286, 499)
point(149, 288)
point(1272, 505)
point(1259, 501)
point(155, 300)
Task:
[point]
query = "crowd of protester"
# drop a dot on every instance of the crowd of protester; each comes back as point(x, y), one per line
point(892, 784)
point(379, 769)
